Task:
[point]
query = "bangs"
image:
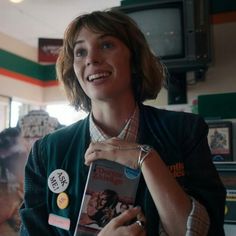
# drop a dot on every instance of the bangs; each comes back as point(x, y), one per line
point(102, 23)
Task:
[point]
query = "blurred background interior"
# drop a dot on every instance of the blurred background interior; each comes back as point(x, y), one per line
point(195, 39)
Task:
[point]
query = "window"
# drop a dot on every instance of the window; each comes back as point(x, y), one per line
point(4, 112)
point(65, 114)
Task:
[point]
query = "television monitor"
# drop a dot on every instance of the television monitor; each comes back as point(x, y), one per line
point(178, 31)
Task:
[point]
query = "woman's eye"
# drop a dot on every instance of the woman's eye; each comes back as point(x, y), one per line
point(80, 52)
point(107, 45)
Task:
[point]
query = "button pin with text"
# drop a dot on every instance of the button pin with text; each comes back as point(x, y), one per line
point(58, 181)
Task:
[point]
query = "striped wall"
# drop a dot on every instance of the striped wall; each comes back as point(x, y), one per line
point(22, 77)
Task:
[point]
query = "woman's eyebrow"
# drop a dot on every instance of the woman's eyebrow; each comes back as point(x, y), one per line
point(105, 35)
point(78, 42)
point(102, 36)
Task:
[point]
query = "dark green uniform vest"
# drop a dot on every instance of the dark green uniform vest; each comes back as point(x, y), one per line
point(180, 139)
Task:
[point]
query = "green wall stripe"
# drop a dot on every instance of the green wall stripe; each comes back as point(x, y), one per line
point(32, 69)
point(26, 67)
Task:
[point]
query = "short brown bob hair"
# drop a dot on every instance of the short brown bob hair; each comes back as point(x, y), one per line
point(147, 71)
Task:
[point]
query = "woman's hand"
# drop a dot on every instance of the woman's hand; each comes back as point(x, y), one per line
point(119, 226)
point(114, 149)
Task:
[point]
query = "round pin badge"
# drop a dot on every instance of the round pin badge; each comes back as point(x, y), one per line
point(62, 200)
point(58, 181)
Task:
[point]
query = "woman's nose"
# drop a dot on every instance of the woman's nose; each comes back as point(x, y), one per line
point(93, 57)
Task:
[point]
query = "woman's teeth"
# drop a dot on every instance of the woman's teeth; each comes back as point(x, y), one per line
point(97, 76)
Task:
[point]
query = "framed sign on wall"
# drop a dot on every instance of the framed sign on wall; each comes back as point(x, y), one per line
point(220, 140)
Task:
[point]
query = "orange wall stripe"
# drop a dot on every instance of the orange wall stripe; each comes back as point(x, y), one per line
point(50, 83)
point(28, 79)
point(224, 17)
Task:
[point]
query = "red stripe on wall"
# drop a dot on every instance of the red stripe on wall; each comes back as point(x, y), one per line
point(50, 83)
point(28, 79)
point(224, 17)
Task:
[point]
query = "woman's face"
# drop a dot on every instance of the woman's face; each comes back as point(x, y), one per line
point(102, 66)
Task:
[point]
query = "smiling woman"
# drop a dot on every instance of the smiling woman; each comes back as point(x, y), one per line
point(102, 66)
point(108, 70)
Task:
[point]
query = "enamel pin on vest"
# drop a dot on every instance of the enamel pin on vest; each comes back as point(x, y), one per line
point(58, 181)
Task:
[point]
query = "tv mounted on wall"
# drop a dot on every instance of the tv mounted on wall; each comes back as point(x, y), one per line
point(178, 31)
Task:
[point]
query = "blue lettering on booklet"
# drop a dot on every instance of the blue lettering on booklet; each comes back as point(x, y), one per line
point(132, 173)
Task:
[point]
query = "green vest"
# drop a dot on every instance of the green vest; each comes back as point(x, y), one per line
point(179, 138)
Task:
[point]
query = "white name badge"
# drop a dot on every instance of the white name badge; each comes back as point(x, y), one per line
point(58, 181)
point(59, 221)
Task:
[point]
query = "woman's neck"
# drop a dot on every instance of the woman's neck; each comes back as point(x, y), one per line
point(111, 118)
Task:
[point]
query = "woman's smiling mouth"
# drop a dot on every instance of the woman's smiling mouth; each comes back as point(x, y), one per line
point(98, 76)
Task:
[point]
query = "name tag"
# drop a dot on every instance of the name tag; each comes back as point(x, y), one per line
point(59, 221)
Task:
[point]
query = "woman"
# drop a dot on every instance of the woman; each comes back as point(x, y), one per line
point(108, 70)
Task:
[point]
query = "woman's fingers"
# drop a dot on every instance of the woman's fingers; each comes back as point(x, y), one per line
point(127, 217)
point(126, 223)
point(100, 150)
point(113, 149)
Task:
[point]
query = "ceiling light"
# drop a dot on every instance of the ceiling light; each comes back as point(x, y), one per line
point(16, 1)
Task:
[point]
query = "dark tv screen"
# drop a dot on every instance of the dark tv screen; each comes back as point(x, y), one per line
point(163, 29)
point(178, 31)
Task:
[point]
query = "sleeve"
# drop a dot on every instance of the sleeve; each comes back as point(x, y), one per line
point(33, 212)
point(197, 223)
point(202, 179)
point(198, 220)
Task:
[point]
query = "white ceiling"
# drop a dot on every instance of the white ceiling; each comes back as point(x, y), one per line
point(33, 19)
